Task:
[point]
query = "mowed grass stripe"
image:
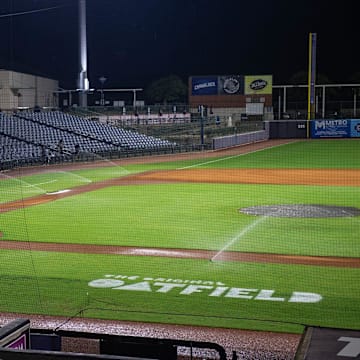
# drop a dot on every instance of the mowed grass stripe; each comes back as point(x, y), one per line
point(192, 216)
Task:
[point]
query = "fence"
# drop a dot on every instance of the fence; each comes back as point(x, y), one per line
point(240, 139)
point(191, 131)
point(298, 110)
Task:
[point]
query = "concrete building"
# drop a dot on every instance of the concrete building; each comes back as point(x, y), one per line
point(19, 90)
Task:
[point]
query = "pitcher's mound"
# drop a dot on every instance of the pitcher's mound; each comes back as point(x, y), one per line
point(302, 211)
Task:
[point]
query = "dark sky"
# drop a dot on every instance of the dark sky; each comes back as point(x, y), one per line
point(132, 42)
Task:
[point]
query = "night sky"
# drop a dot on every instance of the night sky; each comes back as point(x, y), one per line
point(132, 42)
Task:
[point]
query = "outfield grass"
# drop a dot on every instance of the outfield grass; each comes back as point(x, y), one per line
point(336, 154)
point(324, 154)
point(193, 216)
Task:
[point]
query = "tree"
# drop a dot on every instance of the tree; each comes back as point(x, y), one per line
point(170, 89)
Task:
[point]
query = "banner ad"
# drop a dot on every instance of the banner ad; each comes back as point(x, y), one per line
point(336, 128)
point(231, 85)
point(258, 84)
point(204, 85)
point(355, 128)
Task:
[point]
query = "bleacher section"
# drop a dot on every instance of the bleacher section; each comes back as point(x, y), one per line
point(29, 137)
point(16, 150)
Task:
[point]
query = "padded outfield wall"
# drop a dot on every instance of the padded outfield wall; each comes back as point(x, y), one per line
point(293, 129)
point(335, 128)
point(324, 128)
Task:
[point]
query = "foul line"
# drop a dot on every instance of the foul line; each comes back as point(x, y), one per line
point(42, 183)
point(229, 157)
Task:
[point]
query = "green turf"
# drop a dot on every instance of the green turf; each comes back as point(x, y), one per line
point(190, 216)
point(322, 154)
point(193, 216)
point(13, 188)
point(338, 154)
point(59, 285)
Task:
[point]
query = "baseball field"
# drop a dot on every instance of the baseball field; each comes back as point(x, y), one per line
point(264, 236)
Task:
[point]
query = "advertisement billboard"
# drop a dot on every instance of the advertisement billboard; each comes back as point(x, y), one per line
point(355, 128)
point(258, 84)
point(231, 85)
point(207, 85)
point(336, 128)
point(15, 335)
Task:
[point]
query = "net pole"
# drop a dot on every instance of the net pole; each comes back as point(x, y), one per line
point(311, 79)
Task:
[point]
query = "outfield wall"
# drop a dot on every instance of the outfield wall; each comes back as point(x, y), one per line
point(287, 129)
point(324, 128)
point(293, 129)
point(240, 139)
point(272, 130)
point(335, 128)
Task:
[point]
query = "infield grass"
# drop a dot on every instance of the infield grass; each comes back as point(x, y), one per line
point(192, 216)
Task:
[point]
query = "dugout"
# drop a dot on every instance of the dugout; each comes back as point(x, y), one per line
point(319, 343)
point(42, 344)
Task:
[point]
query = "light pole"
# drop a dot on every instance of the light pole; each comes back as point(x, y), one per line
point(102, 80)
point(83, 79)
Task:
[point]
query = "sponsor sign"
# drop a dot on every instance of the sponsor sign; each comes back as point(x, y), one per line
point(212, 289)
point(333, 128)
point(258, 84)
point(355, 128)
point(231, 85)
point(19, 343)
point(331, 344)
point(204, 85)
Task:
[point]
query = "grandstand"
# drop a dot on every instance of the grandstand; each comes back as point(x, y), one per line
point(31, 137)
